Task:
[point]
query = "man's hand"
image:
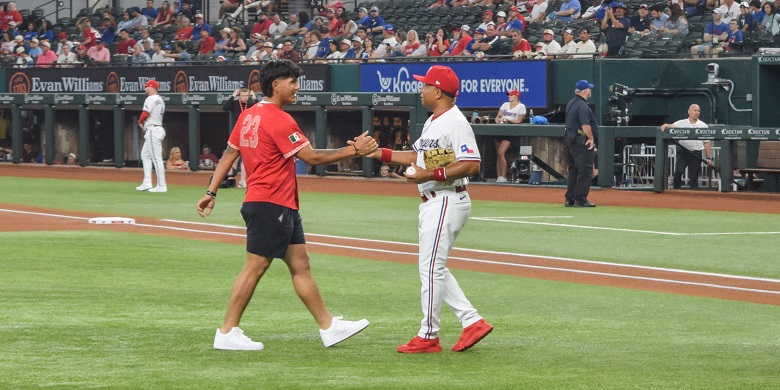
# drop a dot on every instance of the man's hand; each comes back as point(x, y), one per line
point(663, 127)
point(420, 175)
point(364, 144)
point(589, 143)
point(235, 93)
point(205, 205)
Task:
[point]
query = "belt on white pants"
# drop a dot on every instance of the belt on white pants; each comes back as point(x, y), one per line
point(426, 196)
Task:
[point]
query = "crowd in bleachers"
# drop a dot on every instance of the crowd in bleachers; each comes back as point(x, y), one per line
point(387, 30)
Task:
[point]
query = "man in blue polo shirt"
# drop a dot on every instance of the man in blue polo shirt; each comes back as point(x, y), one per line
point(570, 9)
point(715, 29)
point(375, 23)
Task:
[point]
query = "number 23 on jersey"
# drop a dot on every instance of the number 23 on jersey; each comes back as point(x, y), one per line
point(249, 131)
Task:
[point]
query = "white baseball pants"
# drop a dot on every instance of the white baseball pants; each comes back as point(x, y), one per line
point(440, 220)
point(152, 153)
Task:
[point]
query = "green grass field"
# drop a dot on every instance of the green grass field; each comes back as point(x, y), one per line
point(105, 309)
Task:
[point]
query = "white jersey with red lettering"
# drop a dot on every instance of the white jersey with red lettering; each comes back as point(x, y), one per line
point(443, 214)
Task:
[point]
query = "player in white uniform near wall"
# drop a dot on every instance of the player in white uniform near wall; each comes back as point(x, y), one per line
point(151, 121)
point(443, 157)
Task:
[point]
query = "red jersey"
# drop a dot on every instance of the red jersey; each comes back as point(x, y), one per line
point(122, 47)
point(207, 45)
point(260, 27)
point(89, 34)
point(268, 139)
point(184, 33)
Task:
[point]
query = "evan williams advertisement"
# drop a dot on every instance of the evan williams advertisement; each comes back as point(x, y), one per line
point(201, 79)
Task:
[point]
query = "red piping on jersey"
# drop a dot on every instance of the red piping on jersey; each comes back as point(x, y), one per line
point(431, 272)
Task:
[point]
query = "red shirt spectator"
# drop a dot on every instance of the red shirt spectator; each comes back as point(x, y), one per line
point(464, 40)
point(185, 32)
point(10, 15)
point(261, 27)
point(207, 44)
point(47, 56)
point(125, 43)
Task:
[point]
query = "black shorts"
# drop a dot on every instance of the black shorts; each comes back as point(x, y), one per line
point(271, 228)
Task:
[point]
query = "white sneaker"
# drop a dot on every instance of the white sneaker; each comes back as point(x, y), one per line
point(241, 184)
point(235, 340)
point(341, 330)
point(143, 187)
point(159, 189)
point(501, 179)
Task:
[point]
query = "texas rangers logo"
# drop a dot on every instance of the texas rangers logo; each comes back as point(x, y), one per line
point(19, 83)
point(465, 149)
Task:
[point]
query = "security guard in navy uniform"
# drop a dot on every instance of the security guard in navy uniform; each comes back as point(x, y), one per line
point(580, 137)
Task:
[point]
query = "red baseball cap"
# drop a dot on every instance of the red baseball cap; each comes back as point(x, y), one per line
point(152, 83)
point(442, 77)
point(513, 92)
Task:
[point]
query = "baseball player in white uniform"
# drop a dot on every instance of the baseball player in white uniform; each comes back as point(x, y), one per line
point(441, 161)
point(154, 133)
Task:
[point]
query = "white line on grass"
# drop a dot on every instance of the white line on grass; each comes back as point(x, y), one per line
point(496, 219)
point(526, 217)
point(672, 270)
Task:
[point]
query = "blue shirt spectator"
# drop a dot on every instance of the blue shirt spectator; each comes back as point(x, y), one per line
point(29, 35)
point(569, 5)
point(374, 21)
point(323, 48)
point(150, 12)
point(48, 34)
point(515, 23)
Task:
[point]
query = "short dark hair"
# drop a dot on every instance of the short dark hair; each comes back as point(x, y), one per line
point(275, 70)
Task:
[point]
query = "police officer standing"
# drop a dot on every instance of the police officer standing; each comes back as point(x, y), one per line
point(580, 137)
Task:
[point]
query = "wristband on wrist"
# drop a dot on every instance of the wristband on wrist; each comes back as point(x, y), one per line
point(387, 155)
point(211, 194)
point(440, 174)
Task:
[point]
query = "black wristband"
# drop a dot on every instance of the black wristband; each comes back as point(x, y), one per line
point(211, 194)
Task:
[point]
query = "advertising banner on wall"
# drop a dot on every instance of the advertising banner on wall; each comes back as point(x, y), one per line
point(482, 84)
point(184, 79)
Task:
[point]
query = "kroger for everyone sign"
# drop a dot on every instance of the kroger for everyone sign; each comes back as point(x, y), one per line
point(482, 84)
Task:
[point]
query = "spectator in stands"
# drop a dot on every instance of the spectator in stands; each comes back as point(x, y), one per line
point(98, 53)
point(82, 57)
point(714, 31)
point(10, 15)
point(175, 162)
point(44, 31)
point(228, 5)
point(265, 54)
point(30, 33)
point(125, 22)
point(288, 51)
point(23, 60)
point(355, 50)
point(332, 20)
point(180, 53)
point(12, 28)
point(362, 32)
point(293, 27)
point(569, 46)
point(487, 17)
point(640, 23)
point(694, 7)
point(570, 9)
point(491, 43)
point(347, 26)
point(62, 40)
point(148, 48)
point(311, 43)
point(321, 26)
point(771, 20)
point(277, 27)
point(164, 15)
point(538, 13)
point(207, 43)
point(520, 46)
point(733, 43)
point(221, 46)
point(362, 16)
point(70, 159)
point(139, 55)
point(375, 23)
point(756, 12)
point(185, 31)
point(125, 42)
point(433, 45)
point(8, 45)
point(597, 10)
point(198, 27)
point(458, 48)
point(335, 53)
point(550, 46)
point(87, 32)
point(47, 56)
point(323, 49)
point(186, 12)
point(149, 11)
point(658, 18)
point(615, 27)
point(257, 44)
point(368, 49)
point(145, 36)
point(107, 30)
point(677, 23)
point(235, 43)
point(501, 22)
point(389, 42)
point(19, 42)
point(585, 47)
point(730, 10)
point(139, 21)
point(250, 4)
point(412, 47)
point(35, 49)
point(516, 20)
point(745, 19)
point(262, 24)
point(207, 158)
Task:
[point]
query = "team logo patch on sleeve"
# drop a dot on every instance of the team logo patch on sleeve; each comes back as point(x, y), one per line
point(465, 149)
point(295, 137)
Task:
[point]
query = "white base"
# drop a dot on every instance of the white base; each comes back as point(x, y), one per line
point(110, 220)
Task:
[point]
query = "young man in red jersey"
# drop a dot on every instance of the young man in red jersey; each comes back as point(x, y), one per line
point(267, 139)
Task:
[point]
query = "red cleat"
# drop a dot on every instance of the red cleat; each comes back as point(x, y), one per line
point(420, 345)
point(472, 334)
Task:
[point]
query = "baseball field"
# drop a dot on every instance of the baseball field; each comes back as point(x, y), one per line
point(679, 290)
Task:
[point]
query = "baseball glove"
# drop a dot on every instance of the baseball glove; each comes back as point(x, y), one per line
point(437, 158)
